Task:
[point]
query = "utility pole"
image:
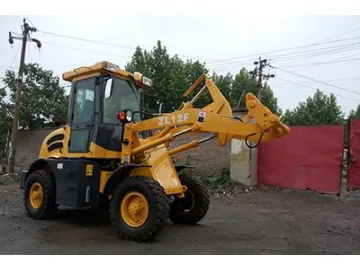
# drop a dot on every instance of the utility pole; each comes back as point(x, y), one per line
point(259, 72)
point(26, 29)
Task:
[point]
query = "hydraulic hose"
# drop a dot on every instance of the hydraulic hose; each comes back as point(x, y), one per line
point(257, 144)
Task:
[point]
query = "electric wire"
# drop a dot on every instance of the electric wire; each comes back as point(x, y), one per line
point(285, 49)
point(315, 80)
point(323, 63)
point(106, 43)
point(87, 50)
point(293, 56)
point(313, 88)
point(88, 40)
point(333, 80)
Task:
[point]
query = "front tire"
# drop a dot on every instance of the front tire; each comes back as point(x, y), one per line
point(139, 209)
point(194, 206)
point(39, 195)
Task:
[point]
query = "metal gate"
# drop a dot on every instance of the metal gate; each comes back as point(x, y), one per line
point(353, 160)
point(309, 157)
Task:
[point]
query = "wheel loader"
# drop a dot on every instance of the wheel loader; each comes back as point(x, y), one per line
point(111, 153)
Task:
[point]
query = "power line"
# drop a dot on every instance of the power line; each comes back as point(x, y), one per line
point(313, 88)
point(299, 47)
point(341, 34)
point(318, 52)
point(82, 49)
point(285, 49)
point(325, 83)
point(324, 63)
point(333, 37)
point(304, 54)
point(89, 40)
point(233, 67)
point(334, 80)
point(107, 43)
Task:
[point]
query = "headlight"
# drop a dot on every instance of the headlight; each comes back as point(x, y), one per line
point(129, 116)
point(146, 81)
point(125, 116)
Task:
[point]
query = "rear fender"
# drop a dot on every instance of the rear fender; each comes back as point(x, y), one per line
point(40, 164)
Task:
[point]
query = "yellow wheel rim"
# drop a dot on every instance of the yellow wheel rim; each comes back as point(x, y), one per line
point(36, 195)
point(134, 209)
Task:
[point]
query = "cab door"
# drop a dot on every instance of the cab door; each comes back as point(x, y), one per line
point(82, 115)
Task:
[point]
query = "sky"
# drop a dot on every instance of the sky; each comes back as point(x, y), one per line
point(332, 65)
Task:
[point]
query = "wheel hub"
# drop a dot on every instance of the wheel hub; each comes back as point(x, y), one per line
point(134, 209)
point(36, 195)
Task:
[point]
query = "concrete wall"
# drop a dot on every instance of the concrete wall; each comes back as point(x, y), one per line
point(209, 158)
point(28, 147)
point(243, 161)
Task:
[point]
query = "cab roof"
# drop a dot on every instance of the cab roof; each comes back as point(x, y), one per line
point(99, 68)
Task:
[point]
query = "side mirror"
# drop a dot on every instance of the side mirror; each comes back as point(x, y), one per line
point(108, 88)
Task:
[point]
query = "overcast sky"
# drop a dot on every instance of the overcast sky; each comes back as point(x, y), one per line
point(210, 39)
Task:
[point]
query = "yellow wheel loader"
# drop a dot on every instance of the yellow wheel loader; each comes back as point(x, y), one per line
point(109, 154)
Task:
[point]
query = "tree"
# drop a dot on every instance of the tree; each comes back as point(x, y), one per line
point(355, 114)
point(244, 83)
point(224, 83)
point(319, 109)
point(5, 119)
point(43, 101)
point(171, 76)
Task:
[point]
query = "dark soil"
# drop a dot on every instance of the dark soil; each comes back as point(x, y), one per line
point(261, 221)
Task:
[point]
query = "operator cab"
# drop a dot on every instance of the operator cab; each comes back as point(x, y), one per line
point(97, 94)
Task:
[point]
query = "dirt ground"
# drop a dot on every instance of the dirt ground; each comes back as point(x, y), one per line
point(257, 222)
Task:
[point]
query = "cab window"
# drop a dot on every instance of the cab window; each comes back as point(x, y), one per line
point(119, 95)
point(84, 101)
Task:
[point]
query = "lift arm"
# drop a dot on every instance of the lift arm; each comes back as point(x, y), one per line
point(260, 124)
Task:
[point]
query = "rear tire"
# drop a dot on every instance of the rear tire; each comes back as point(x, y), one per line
point(194, 206)
point(39, 195)
point(139, 209)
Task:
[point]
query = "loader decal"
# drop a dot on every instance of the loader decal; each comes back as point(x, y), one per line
point(174, 119)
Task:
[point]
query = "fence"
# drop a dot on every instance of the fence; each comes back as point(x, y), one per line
point(309, 157)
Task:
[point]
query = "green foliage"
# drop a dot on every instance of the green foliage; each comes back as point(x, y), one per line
point(42, 100)
point(172, 76)
point(222, 180)
point(319, 109)
point(355, 114)
point(5, 118)
point(245, 83)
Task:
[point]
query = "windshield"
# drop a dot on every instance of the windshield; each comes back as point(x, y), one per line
point(122, 95)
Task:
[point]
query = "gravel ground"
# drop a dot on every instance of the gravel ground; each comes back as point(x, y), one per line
point(257, 222)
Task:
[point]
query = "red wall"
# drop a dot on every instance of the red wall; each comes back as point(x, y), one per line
point(306, 158)
point(354, 169)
